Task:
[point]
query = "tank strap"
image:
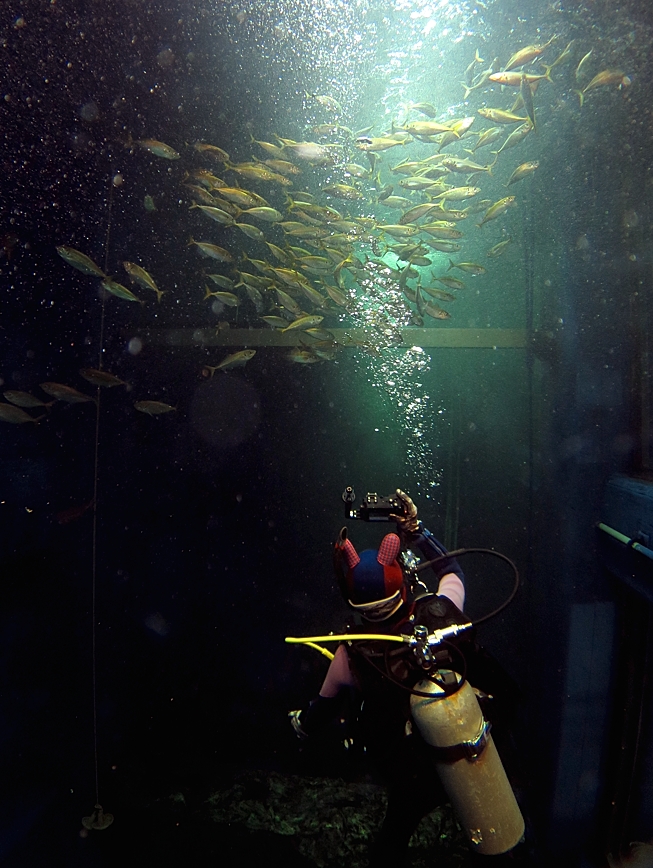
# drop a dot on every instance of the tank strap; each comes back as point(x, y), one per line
point(470, 750)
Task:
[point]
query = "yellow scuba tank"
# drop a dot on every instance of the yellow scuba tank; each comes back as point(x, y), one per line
point(469, 766)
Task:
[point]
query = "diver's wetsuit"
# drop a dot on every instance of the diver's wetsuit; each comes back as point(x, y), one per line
point(399, 754)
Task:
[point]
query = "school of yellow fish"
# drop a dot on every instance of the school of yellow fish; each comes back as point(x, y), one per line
point(314, 261)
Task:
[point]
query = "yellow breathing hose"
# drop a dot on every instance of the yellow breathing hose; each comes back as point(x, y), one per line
point(328, 654)
point(312, 641)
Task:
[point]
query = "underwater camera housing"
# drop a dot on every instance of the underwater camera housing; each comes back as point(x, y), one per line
point(373, 507)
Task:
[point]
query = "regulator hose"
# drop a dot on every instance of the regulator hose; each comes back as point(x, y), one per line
point(457, 553)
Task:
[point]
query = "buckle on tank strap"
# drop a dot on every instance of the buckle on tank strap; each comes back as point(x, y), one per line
point(470, 750)
point(475, 747)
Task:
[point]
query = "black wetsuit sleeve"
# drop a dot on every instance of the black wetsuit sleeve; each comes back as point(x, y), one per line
point(431, 548)
point(320, 712)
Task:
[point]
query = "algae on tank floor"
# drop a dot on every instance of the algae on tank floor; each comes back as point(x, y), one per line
point(332, 822)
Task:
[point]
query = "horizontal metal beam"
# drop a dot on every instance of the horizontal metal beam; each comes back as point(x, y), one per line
point(411, 337)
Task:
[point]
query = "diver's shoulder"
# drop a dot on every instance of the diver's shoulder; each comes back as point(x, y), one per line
point(432, 607)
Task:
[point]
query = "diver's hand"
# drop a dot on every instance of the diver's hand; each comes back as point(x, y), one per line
point(407, 522)
point(293, 716)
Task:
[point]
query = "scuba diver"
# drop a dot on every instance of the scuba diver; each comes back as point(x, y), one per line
point(427, 693)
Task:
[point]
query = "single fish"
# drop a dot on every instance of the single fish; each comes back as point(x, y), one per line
point(285, 167)
point(313, 152)
point(213, 251)
point(451, 282)
point(319, 334)
point(200, 194)
point(356, 171)
point(308, 321)
point(426, 108)
point(463, 166)
point(259, 172)
point(277, 252)
point(221, 280)
point(525, 55)
point(419, 301)
point(269, 148)
point(469, 72)
point(605, 79)
point(225, 205)
point(425, 128)
point(212, 151)
point(457, 194)
point(24, 399)
point(158, 149)
point(498, 116)
point(235, 360)
point(153, 408)
point(336, 295)
point(247, 279)
point(342, 191)
point(118, 290)
point(276, 322)
point(515, 137)
point(580, 69)
point(242, 198)
point(527, 98)
point(227, 298)
point(522, 171)
point(65, 393)
point(396, 202)
point(444, 246)
point(288, 302)
point(381, 143)
point(80, 261)
point(442, 232)
point(417, 212)
point(252, 232)
point(563, 57)
point(270, 215)
point(323, 349)
point(259, 264)
point(72, 513)
point(433, 310)
point(440, 294)
point(487, 137)
point(214, 213)
point(459, 128)
point(496, 210)
point(469, 267)
point(254, 296)
point(142, 278)
point(14, 415)
point(483, 78)
point(420, 182)
point(499, 248)
point(101, 378)
point(327, 102)
point(397, 231)
point(478, 206)
point(208, 179)
point(302, 357)
point(513, 79)
point(410, 294)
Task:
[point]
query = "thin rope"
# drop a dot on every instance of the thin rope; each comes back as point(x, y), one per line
point(95, 493)
point(529, 269)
